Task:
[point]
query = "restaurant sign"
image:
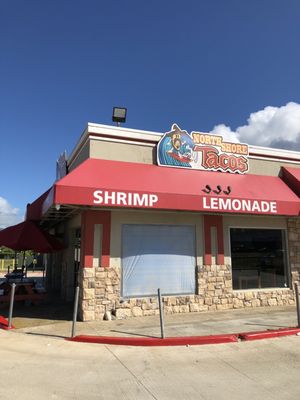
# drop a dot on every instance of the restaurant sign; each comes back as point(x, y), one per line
point(203, 151)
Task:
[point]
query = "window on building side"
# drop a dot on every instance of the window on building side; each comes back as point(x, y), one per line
point(158, 256)
point(258, 258)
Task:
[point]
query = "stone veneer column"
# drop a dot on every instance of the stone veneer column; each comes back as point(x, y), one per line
point(87, 294)
point(88, 272)
point(215, 287)
point(100, 292)
point(107, 291)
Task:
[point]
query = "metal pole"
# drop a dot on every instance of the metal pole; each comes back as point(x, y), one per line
point(297, 302)
point(75, 310)
point(11, 304)
point(161, 315)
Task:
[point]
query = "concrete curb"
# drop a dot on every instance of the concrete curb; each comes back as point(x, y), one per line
point(4, 324)
point(171, 341)
point(268, 334)
point(185, 340)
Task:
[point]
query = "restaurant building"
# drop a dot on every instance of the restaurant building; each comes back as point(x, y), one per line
point(215, 225)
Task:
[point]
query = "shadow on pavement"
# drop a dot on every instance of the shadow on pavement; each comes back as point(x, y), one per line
point(47, 311)
point(46, 335)
point(134, 334)
point(266, 325)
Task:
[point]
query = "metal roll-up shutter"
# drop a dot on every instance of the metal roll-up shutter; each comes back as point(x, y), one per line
point(158, 256)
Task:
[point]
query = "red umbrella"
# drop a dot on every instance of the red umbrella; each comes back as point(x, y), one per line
point(29, 236)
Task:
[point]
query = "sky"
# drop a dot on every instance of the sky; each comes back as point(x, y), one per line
point(229, 67)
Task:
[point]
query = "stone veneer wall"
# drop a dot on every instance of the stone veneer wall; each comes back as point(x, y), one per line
point(101, 290)
point(101, 293)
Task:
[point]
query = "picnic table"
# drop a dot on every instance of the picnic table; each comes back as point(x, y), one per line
point(26, 289)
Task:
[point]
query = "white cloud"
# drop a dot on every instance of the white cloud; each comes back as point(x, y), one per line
point(227, 134)
point(8, 214)
point(271, 127)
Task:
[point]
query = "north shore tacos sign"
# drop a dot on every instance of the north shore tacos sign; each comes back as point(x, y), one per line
point(203, 151)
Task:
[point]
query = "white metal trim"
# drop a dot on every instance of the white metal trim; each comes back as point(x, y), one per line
point(111, 129)
point(282, 160)
point(270, 151)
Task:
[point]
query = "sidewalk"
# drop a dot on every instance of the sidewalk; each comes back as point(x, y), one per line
point(176, 325)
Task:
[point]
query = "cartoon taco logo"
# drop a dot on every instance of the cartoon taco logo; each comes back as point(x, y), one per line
point(203, 151)
point(175, 148)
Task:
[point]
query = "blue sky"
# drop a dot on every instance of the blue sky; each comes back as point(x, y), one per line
point(205, 64)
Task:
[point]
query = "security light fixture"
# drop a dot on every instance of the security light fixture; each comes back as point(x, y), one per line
point(119, 115)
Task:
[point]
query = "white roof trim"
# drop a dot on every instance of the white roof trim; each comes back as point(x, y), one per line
point(125, 132)
point(272, 152)
point(121, 135)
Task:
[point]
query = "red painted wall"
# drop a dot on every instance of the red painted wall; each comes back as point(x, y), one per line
point(89, 219)
point(209, 222)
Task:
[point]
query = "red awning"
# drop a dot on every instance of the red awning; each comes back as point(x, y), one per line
point(34, 209)
point(291, 176)
point(103, 183)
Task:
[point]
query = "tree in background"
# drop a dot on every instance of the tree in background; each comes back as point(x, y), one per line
point(10, 257)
